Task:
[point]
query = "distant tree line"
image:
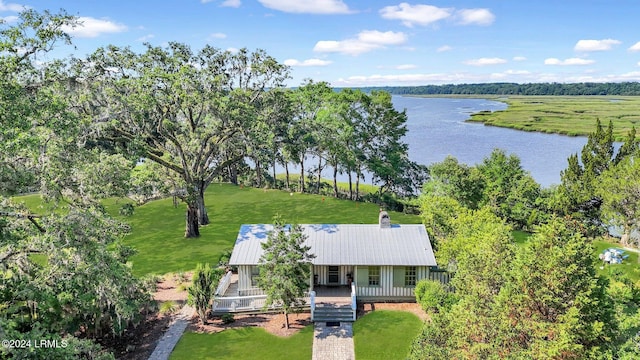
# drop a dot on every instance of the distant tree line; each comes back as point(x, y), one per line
point(585, 88)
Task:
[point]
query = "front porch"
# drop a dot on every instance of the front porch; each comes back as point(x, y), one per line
point(330, 303)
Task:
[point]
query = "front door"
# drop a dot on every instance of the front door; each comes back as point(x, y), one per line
point(334, 275)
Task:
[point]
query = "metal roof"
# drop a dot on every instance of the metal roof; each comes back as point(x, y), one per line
point(346, 244)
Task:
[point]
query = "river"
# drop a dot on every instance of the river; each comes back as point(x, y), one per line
point(437, 128)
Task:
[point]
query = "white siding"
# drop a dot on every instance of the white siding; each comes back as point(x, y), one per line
point(323, 274)
point(386, 288)
point(244, 277)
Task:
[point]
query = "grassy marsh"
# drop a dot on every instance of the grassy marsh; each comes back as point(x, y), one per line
point(566, 115)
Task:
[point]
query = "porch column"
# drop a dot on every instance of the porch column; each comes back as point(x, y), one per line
point(311, 277)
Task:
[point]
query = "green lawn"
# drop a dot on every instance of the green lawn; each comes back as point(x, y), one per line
point(568, 115)
point(158, 226)
point(245, 343)
point(385, 334)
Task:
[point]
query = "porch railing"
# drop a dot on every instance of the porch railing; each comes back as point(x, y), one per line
point(246, 303)
point(354, 305)
point(251, 292)
point(312, 302)
point(224, 284)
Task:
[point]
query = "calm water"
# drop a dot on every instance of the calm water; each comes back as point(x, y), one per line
point(437, 128)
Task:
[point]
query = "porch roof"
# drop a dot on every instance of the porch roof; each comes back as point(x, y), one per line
point(346, 244)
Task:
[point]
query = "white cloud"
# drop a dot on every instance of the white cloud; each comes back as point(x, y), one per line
point(11, 7)
point(10, 19)
point(231, 3)
point(366, 41)
point(519, 58)
point(444, 48)
point(568, 62)
point(635, 47)
point(382, 38)
point(233, 50)
point(638, 63)
point(517, 72)
point(307, 63)
point(91, 27)
point(595, 45)
point(475, 17)
point(145, 38)
point(415, 14)
point(218, 36)
point(406, 67)
point(308, 6)
point(485, 61)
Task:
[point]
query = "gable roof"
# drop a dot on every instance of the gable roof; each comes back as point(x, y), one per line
point(346, 244)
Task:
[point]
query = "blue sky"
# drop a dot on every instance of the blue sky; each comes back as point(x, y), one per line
point(381, 42)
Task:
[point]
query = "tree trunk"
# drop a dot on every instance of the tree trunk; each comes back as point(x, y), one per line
point(335, 181)
point(258, 172)
point(357, 186)
point(350, 186)
point(319, 173)
point(203, 217)
point(286, 319)
point(626, 235)
point(192, 228)
point(275, 182)
point(233, 174)
point(286, 176)
point(302, 173)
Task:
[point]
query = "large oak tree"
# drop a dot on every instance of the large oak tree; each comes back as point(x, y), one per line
point(181, 109)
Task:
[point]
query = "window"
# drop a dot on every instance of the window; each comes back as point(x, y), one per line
point(255, 272)
point(374, 276)
point(410, 276)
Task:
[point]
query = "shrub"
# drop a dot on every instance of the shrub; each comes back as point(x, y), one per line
point(433, 296)
point(126, 210)
point(205, 280)
point(168, 307)
point(227, 318)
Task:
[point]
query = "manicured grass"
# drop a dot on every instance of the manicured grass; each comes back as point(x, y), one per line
point(385, 334)
point(567, 115)
point(244, 343)
point(158, 227)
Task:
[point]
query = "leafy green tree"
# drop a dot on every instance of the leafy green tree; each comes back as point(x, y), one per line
point(509, 190)
point(386, 155)
point(619, 189)
point(542, 301)
point(285, 267)
point(309, 102)
point(204, 282)
point(438, 214)
point(181, 109)
point(556, 304)
point(458, 181)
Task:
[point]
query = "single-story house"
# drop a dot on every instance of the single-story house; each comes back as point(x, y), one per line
point(384, 261)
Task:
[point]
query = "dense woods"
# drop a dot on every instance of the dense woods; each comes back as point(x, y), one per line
point(620, 89)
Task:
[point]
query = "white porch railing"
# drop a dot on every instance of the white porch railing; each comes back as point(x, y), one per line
point(354, 305)
point(312, 301)
point(224, 284)
point(246, 303)
point(251, 292)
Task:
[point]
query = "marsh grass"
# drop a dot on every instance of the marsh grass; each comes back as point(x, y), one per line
point(566, 115)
